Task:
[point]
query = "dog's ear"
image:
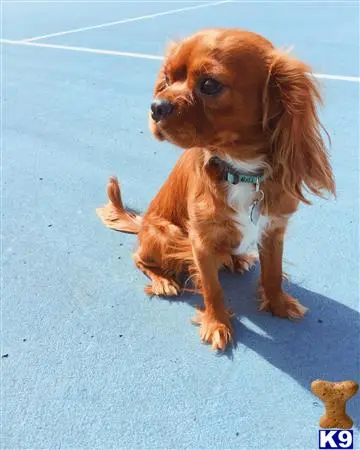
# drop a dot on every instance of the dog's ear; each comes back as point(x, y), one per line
point(298, 155)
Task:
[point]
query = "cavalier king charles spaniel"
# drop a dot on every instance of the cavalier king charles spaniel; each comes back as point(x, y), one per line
point(246, 115)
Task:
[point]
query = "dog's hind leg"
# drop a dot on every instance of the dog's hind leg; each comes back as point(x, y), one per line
point(162, 285)
point(162, 256)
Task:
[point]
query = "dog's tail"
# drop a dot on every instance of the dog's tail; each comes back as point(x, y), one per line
point(114, 215)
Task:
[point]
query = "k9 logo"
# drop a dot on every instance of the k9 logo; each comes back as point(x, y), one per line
point(336, 439)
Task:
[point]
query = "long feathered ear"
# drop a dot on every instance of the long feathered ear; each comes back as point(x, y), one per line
point(298, 155)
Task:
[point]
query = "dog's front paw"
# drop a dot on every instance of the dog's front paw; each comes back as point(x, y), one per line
point(216, 331)
point(243, 263)
point(282, 305)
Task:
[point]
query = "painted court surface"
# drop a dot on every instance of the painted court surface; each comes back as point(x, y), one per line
point(88, 361)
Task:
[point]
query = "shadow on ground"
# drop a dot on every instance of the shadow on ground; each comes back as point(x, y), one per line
point(325, 344)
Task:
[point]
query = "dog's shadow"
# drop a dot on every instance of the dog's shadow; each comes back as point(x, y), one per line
point(325, 344)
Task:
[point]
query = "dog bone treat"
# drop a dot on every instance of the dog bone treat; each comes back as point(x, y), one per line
point(334, 396)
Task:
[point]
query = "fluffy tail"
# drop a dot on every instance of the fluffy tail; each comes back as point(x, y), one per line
point(114, 215)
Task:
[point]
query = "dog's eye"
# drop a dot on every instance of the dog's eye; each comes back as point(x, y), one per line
point(209, 86)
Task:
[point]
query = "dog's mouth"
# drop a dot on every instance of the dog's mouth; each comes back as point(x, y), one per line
point(155, 129)
point(162, 130)
point(159, 135)
point(176, 129)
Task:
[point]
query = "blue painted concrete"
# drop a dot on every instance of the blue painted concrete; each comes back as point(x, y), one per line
point(24, 20)
point(325, 36)
point(92, 362)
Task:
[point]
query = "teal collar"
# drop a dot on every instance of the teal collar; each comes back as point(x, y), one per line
point(232, 176)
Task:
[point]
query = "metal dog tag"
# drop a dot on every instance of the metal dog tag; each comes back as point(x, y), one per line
point(255, 212)
point(254, 208)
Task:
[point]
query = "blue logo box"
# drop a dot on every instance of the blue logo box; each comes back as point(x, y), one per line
point(336, 439)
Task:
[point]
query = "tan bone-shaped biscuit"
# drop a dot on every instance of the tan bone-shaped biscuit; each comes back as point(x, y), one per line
point(334, 396)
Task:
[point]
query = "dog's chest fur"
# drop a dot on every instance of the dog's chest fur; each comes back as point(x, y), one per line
point(240, 197)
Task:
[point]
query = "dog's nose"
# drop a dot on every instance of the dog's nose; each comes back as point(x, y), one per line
point(161, 108)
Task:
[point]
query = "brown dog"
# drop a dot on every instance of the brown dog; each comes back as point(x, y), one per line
point(246, 115)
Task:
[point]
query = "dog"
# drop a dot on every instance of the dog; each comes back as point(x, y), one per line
point(246, 115)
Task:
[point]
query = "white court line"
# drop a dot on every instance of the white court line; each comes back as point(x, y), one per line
point(306, 2)
point(326, 76)
point(132, 19)
point(83, 49)
point(145, 56)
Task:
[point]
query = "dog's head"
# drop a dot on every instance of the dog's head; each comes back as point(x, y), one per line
point(210, 88)
point(230, 90)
